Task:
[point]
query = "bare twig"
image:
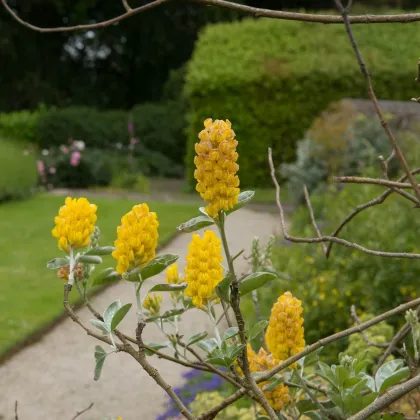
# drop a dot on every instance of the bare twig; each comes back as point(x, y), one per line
point(387, 399)
point(365, 337)
point(254, 11)
point(16, 410)
point(373, 181)
point(340, 241)
point(79, 413)
point(372, 95)
point(311, 213)
point(126, 6)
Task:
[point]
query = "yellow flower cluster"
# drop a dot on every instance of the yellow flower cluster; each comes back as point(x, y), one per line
point(216, 165)
point(74, 223)
point(279, 397)
point(285, 333)
point(172, 275)
point(152, 303)
point(137, 238)
point(203, 270)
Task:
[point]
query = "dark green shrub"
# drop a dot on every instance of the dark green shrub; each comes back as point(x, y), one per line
point(328, 288)
point(18, 174)
point(100, 129)
point(271, 78)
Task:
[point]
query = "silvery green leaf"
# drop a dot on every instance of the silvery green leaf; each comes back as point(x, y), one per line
point(119, 315)
point(230, 332)
point(100, 325)
point(255, 281)
point(110, 312)
point(154, 267)
point(257, 329)
point(196, 223)
point(100, 356)
point(89, 259)
point(101, 250)
point(57, 263)
point(243, 198)
point(196, 338)
point(168, 287)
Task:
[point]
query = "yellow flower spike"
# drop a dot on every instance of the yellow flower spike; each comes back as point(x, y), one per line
point(203, 271)
point(172, 275)
point(152, 303)
point(216, 165)
point(285, 333)
point(137, 238)
point(74, 224)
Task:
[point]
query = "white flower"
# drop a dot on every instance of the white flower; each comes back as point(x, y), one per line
point(45, 152)
point(26, 152)
point(79, 144)
point(119, 145)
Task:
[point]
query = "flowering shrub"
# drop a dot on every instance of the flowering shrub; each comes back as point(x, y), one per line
point(284, 378)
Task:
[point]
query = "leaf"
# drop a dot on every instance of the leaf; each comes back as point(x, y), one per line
point(100, 356)
point(235, 350)
point(385, 371)
point(219, 361)
point(223, 289)
point(168, 287)
point(396, 377)
point(305, 405)
point(311, 358)
point(119, 315)
point(196, 223)
point(110, 312)
point(255, 281)
point(257, 329)
point(370, 382)
point(100, 325)
point(89, 259)
point(278, 380)
point(57, 263)
point(208, 345)
point(154, 267)
point(101, 250)
point(100, 277)
point(203, 211)
point(167, 314)
point(154, 346)
point(196, 338)
point(243, 198)
point(230, 332)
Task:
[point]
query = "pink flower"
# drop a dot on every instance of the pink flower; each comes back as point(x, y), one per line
point(52, 170)
point(134, 140)
point(40, 166)
point(130, 128)
point(75, 159)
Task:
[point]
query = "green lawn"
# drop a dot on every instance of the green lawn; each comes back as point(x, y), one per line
point(31, 295)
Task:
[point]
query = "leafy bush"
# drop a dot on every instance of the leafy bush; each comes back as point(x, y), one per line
point(131, 181)
point(328, 288)
point(259, 71)
point(17, 169)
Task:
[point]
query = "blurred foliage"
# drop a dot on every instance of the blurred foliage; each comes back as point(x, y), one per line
point(17, 169)
point(131, 181)
point(328, 288)
point(271, 91)
point(343, 143)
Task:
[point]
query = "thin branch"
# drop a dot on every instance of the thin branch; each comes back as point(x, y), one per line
point(387, 399)
point(372, 95)
point(365, 337)
point(418, 72)
point(16, 410)
point(254, 11)
point(311, 213)
point(376, 201)
point(340, 241)
point(79, 413)
point(126, 6)
point(373, 181)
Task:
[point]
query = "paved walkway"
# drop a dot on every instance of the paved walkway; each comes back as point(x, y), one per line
point(53, 379)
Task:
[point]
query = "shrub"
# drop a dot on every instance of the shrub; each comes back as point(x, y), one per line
point(260, 71)
point(17, 169)
point(328, 288)
point(131, 181)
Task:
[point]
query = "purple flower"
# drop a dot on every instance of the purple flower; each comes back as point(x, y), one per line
point(75, 159)
point(40, 166)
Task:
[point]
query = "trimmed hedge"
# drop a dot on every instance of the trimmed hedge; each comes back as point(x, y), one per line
point(18, 173)
point(271, 78)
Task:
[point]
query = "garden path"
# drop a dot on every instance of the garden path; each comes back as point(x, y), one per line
point(53, 379)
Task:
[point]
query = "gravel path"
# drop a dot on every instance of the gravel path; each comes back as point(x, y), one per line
point(53, 379)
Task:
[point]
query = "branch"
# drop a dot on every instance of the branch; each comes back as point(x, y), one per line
point(340, 241)
point(372, 95)
point(387, 399)
point(16, 410)
point(311, 213)
point(376, 201)
point(365, 337)
point(79, 413)
point(373, 181)
point(254, 11)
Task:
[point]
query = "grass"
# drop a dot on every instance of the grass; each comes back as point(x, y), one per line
point(31, 295)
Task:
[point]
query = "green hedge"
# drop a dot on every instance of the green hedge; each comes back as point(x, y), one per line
point(271, 78)
point(21, 125)
point(18, 173)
